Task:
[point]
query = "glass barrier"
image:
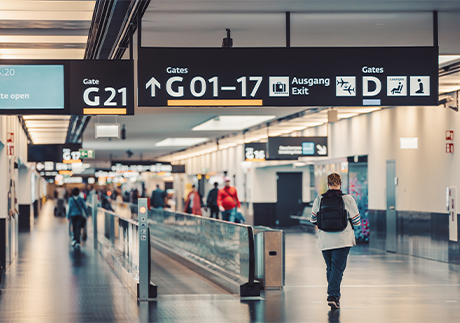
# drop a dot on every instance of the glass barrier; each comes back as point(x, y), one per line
point(120, 236)
point(126, 210)
point(222, 243)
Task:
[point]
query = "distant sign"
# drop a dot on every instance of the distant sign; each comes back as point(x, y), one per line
point(85, 153)
point(255, 151)
point(342, 76)
point(54, 153)
point(146, 166)
point(294, 147)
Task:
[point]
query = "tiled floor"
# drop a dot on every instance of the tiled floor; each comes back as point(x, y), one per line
point(51, 282)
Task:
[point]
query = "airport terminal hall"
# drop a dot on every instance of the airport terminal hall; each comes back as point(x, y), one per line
point(229, 161)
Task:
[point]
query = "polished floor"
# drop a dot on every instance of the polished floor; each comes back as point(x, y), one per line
point(52, 282)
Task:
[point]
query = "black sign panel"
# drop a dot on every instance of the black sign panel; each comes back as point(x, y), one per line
point(255, 152)
point(53, 153)
point(65, 87)
point(282, 148)
point(146, 166)
point(102, 87)
point(288, 76)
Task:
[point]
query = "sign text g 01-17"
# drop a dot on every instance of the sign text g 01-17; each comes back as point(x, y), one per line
point(354, 76)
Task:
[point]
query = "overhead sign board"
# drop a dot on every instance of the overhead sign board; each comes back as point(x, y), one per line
point(20, 88)
point(287, 148)
point(146, 166)
point(65, 87)
point(341, 76)
point(102, 87)
point(255, 151)
point(53, 153)
point(34, 87)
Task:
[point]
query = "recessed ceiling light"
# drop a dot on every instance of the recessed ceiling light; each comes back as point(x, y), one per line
point(180, 142)
point(221, 123)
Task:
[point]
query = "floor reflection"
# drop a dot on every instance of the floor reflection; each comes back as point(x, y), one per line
point(52, 282)
point(333, 316)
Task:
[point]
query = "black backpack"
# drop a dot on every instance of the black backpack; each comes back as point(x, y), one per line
point(332, 216)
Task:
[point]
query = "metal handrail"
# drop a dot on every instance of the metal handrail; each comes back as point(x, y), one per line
point(123, 203)
point(251, 242)
point(119, 216)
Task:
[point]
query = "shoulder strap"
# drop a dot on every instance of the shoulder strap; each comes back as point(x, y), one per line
point(228, 194)
point(76, 202)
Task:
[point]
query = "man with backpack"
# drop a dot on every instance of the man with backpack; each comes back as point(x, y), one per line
point(77, 213)
point(335, 214)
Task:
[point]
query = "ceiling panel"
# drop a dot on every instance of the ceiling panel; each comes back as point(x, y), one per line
point(357, 29)
point(38, 29)
point(150, 125)
point(302, 5)
point(45, 30)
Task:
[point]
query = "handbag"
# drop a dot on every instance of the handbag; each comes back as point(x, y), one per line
point(239, 218)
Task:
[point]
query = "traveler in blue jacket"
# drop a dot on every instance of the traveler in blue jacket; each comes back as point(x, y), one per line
point(335, 245)
point(77, 213)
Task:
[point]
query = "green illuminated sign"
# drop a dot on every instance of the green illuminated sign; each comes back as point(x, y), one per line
point(87, 154)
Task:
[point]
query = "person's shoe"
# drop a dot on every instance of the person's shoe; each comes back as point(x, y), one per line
point(77, 245)
point(73, 242)
point(333, 303)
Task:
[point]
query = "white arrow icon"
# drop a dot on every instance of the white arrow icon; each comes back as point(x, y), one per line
point(322, 150)
point(153, 83)
point(40, 166)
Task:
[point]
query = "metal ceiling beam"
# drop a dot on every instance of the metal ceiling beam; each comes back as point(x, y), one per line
point(109, 36)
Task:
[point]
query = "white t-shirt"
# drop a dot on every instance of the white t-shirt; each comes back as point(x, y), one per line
point(60, 193)
point(336, 240)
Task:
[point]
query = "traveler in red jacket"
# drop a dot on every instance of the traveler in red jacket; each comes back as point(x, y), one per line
point(227, 200)
point(194, 202)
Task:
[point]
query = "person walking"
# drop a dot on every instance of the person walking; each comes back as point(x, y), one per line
point(194, 203)
point(77, 213)
point(227, 201)
point(211, 202)
point(157, 200)
point(335, 214)
point(60, 206)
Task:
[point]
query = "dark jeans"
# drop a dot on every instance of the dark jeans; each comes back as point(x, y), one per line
point(336, 261)
point(229, 215)
point(76, 225)
point(214, 212)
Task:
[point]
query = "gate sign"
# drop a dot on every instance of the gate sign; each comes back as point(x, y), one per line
point(63, 87)
point(102, 87)
point(255, 152)
point(286, 148)
point(358, 76)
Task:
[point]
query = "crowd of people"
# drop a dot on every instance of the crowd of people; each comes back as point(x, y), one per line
point(224, 200)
